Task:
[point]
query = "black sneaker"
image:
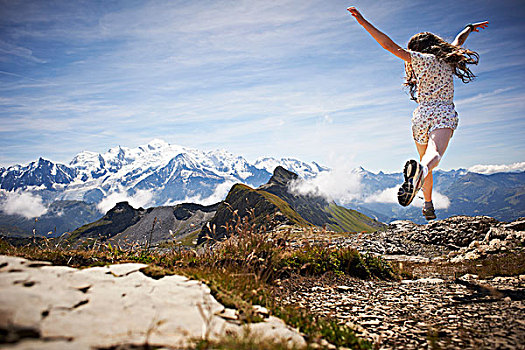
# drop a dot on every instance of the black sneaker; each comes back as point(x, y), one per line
point(429, 213)
point(413, 173)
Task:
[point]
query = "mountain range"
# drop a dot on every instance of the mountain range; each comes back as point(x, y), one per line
point(170, 173)
point(268, 205)
point(160, 174)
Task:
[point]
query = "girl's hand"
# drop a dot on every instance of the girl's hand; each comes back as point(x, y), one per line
point(479, 25)
point(356, 14)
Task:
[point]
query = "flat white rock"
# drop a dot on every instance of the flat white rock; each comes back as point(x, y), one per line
point(102, 307)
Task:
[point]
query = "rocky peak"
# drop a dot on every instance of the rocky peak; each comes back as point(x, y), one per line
point(281, 176)
point(121, 207)
point(121, 154)
point(116, 220)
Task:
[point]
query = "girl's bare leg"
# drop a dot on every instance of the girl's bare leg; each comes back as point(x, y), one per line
point(427, 185)
point(430, 155)
point(436, 147)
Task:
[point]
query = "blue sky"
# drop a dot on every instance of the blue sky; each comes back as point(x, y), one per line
point(259, 78)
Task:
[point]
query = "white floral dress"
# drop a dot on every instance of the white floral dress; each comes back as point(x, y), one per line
point(435, 94)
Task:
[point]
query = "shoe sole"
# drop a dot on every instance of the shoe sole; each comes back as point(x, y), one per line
point(430, 217)
point(413, 182)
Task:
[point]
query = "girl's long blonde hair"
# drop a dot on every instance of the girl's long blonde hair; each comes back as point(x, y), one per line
point(456, 57)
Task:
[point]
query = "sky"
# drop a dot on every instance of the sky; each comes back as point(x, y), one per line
point(288, 78)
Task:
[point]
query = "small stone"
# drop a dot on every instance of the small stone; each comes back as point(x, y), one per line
point(324, 342)
point(468, 277)
point(261, 310)
point(521, 322)
point(408, 281)
point(344, 288)
point(430, 280)
point(475, 255)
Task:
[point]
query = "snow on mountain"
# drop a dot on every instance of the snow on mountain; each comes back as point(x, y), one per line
point(88, 164)
point(40, 173)
point(304, 170)
point(171, 173)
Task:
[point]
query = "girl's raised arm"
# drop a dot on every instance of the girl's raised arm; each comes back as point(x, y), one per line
point(463, 35)
point(380, 37)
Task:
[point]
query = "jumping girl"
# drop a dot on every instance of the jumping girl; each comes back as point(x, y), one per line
point(430, 64)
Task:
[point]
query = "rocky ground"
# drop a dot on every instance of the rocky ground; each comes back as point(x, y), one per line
point(463, 287)
point(438, 308)
point(454, 237)
point(116, 306)
point(423, 313)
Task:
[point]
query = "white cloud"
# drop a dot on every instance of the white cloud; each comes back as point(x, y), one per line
point(482, 97)
point(440, 201)
point(340, 184)
point(23, 203)
point(19, 51)
point(220, 193)
point(491, 169)
point(140, 199)
point(389, 195)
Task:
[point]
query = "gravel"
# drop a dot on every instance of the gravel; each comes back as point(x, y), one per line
point(436, 309)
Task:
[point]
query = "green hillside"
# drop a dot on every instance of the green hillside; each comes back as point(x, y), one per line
point(272, 204)
point(345, 220)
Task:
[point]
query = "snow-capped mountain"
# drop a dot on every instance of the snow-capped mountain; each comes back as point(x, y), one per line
point(162, 174)
point(35, 175)
point(170, 173)
point(304, 170)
